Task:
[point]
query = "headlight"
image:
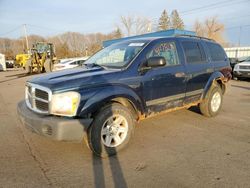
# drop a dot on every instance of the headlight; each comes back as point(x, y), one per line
point(236, 67)
point(65, 104)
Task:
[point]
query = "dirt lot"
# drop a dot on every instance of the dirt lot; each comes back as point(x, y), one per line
point(179, 149)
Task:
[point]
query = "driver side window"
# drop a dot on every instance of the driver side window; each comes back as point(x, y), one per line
point(166, 50)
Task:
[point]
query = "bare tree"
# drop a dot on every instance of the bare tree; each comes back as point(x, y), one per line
point(199, 29)
point(127, 22)
point(135, 25)
point(210, 28)
point(142, 25)
point(70, 44)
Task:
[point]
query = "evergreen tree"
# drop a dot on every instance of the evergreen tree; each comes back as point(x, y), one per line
point(176, 21)
point(164, 21)
point(118, 33)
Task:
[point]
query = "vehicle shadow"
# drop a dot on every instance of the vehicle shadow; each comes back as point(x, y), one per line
point(98, 166)
point(99, 176)
point(242, 87)
point(16, 76)
point(195, 109)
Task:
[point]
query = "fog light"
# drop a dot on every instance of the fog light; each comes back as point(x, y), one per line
point(47, 130)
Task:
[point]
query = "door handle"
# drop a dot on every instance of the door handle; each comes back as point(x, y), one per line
point(180, 74)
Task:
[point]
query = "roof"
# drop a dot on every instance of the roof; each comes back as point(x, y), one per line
point(165, 33)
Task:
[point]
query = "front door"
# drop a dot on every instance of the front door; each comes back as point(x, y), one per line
point(164, 87)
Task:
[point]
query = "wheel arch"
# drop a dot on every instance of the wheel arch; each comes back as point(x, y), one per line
point(215, 78)
point(129, 104)
point(121, 95)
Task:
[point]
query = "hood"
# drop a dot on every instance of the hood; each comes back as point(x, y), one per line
point(76, 78)
point(247, 63)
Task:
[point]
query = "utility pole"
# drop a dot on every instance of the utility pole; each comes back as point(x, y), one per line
point(22, 40)
point(240, 36)
point(26, 37)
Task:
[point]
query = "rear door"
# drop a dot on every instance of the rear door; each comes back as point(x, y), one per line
point(198, 69)
point(164, 87)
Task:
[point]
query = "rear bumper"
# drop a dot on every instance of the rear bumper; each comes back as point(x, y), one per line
point(56, 128)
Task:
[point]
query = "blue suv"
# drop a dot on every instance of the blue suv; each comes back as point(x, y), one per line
point(123, 84)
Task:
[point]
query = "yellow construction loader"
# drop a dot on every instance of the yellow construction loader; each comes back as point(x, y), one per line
point(42, 58)
point(21, 60)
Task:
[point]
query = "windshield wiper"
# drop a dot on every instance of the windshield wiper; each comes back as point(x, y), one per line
point(95, 65)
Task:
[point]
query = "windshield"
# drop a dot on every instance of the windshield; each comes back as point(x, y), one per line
point(117, 55)
point(247, 59)
point(42, 47)
point(64, 62)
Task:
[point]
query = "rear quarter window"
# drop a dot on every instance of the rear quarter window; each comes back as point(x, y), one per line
point(194, 52)
point(216, 52)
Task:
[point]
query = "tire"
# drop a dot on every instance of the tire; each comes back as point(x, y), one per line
point(102, 139)
point(47, 65)
point(28, 69)
point(212, 103)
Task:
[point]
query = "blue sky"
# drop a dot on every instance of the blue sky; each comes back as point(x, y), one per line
point(50, 17)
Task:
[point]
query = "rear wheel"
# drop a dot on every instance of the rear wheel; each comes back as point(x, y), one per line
point(212, 103)
point(111, 130)
point(48, 65)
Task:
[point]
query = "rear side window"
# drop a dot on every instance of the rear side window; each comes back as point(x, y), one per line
point(216, 52)
point(194, 52)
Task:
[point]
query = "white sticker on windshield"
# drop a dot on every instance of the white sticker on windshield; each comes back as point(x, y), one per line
point(136, 44)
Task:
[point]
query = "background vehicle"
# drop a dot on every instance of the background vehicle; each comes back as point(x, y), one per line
point(233, 62)
point(9, 63)
point(2, 62)
point(42, 58)
point(21, 60)
point(124, 83)
point(242, 69)
point(68, 64)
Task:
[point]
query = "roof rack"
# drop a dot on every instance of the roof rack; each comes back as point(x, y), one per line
point(193, 36)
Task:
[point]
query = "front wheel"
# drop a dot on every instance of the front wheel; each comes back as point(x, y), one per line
point(235, 78)
point(28, 67)
point(111, 130)
point(212, 103)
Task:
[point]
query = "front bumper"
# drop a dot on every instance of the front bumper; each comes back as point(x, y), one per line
point(56, 128)
point(242, 74)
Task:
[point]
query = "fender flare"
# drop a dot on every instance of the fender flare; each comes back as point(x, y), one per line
point(107, 94)
point(213, 77)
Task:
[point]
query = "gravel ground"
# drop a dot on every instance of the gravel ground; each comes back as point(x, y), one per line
point(178, 149)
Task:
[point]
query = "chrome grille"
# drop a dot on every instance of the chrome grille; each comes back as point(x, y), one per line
point(244, 67)
point(42, 105)
point(38, 98)
point(41, 94)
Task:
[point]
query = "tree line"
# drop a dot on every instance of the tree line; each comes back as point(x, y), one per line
point(74, 44)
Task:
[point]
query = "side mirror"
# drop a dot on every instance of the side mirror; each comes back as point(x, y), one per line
point(157, 61)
